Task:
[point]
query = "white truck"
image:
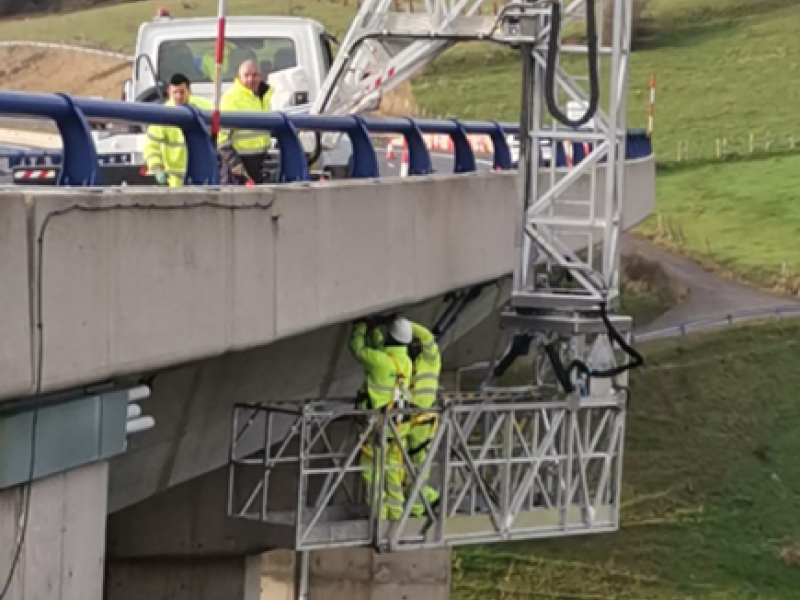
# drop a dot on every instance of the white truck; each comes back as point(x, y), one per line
point(294, 53)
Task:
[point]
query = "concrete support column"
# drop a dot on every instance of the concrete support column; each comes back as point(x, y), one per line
point(199, 578)
point(65, 538)
point(359, 574)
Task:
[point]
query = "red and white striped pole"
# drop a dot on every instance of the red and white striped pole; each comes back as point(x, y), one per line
point(220, 54)
point(652, 110)
point(404, 160)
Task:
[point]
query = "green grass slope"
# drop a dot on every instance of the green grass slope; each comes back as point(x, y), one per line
point(115, 27)
point(712, 487)
point(742, 218)
point(725, 68)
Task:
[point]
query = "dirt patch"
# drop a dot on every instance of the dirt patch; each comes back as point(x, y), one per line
point(30, 69)
point(647, 274)
point(790, 554)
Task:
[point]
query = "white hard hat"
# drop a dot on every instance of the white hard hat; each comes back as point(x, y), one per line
point(400, 329)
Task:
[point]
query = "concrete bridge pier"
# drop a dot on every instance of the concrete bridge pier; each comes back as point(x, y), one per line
point(62, 554)
point(181, 545)
point(358, 573)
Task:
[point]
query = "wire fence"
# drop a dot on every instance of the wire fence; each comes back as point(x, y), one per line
point(736, 146)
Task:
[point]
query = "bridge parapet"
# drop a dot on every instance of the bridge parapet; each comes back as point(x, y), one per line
point(79, 161)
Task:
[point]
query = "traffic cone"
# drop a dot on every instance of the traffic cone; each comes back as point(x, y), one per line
point(390, 150)
point(404, 162)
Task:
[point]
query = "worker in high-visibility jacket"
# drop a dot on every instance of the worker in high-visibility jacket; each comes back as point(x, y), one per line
point(427, 360)
point(165, 150)
point(388, 374)
point(245, 151)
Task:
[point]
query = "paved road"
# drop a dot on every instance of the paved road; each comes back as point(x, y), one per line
point(709, 295)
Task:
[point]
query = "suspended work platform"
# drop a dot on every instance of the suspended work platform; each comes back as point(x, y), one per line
point(509, 465)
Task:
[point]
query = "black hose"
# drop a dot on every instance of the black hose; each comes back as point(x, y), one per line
point(552, 56)
point(565, 375)
point(520, 346)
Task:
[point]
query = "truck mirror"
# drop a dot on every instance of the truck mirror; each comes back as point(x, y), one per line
point(126, 90)
point(373, 103)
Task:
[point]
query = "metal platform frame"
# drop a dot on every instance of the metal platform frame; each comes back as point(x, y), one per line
point(509, 466)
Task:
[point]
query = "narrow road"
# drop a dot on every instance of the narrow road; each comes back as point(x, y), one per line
point(709, 295)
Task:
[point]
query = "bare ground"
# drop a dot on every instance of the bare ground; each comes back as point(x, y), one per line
point(28, 69)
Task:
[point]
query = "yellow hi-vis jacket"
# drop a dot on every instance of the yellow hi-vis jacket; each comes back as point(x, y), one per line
point(388, 369)
point(165, 148)
point(427, 368)
point(209, 63)
point(240, 99)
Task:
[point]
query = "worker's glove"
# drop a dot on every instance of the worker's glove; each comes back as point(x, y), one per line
point(161, 177)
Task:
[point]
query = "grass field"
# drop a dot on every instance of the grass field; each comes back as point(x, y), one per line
point(724, 68)
point(740, 217)
point(712, 487)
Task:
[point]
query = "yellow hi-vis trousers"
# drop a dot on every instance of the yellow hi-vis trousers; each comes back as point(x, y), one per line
point(393, 498)
point(422, 429)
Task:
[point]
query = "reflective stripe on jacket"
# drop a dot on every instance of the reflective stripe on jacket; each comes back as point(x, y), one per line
point(165, 148)
point(427, 368)
point(240, 99)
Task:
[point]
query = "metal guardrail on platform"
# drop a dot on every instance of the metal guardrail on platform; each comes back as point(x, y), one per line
point(79, 163)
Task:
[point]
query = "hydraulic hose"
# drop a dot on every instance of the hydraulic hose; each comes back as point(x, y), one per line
point(592, 44)
point(565, 375)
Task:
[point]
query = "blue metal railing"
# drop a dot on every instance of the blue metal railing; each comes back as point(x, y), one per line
point(79, 162)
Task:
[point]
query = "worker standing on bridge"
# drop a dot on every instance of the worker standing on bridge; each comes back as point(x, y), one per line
point(244, 152)
point(427, 360)
point(165, 150)
point(388, 370)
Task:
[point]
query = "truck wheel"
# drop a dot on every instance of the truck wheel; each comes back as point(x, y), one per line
point(342, 171)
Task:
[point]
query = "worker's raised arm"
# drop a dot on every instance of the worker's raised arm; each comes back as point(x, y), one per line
point(430, 349)
point(368, 357)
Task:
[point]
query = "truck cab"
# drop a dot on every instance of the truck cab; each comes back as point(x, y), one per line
point(167, 45)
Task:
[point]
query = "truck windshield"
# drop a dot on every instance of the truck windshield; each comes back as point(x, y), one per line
point(195, 58)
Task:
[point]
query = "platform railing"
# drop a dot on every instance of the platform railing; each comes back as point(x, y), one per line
point(79, 162)
point(506, 466)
